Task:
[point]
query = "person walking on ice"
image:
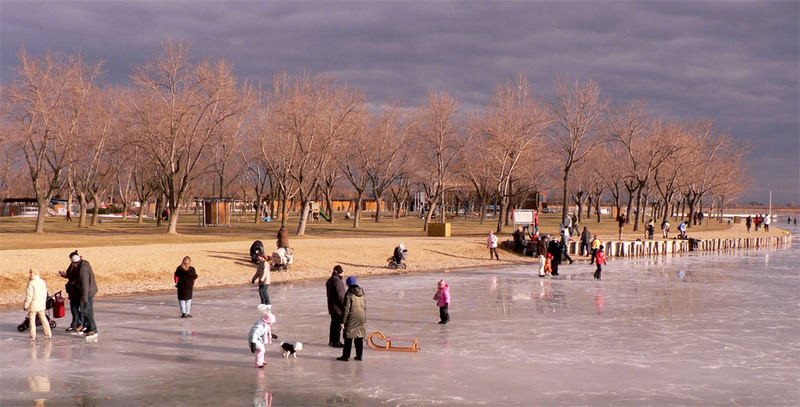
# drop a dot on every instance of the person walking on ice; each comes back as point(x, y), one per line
point(442, 298)
point(491, 243)
point(335, 291)
point(185, 275)
point(355, 320)
point(36, 303)
point(261, 334)
point(600, 260)
point(88, 288)
point(263, 277)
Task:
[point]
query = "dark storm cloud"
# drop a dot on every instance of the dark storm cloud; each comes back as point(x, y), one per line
point(736, 62)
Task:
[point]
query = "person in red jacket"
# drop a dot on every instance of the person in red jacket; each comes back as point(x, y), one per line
point(600, 260)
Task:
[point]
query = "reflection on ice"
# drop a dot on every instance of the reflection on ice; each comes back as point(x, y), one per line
point(696, 329)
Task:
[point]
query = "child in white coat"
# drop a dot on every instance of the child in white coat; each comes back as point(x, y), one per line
point(261, 334)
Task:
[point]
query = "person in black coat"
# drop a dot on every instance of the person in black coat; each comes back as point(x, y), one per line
point(586, 240)
point(555, 250)
point(336, 290)
point(185, 275)
point(74, 294)
point(88, 289)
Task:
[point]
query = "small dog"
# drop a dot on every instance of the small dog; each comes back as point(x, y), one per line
point(291, 349)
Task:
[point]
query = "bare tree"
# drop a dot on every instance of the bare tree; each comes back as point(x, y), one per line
point(579, 114)
point(476, 168)
point(712, 158)
point(227, 142)
point(440, 141)
point(513, 125)
point(387, 141)
point(44, 107)
point(647, 143)
point(311, 118)
point(358, 161)
point(180, 109)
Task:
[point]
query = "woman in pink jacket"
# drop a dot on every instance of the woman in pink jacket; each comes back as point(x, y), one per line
point(442, 298)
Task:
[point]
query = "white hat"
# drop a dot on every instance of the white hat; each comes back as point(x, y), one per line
point(75, 258)
point(265, 308)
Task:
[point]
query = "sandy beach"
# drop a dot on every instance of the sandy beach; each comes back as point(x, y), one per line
point(149, 267)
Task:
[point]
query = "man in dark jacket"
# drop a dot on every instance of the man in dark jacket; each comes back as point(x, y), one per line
point(586, 240)
point(88, 289)
point(74, 294)
point(336, 290)
point(555, 250)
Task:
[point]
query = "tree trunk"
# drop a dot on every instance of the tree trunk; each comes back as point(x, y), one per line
point(159, 209)
point(173, 220)
point(40, 216)
point(83, 203)
point(329, 204)
point(484, 203)
point(96, 209)
point(444, 208)
point(630, 205)
point(429, 215)
point(284, 209)
point(301, 227)
point(564, 197)
point(638, 207)
point(69, 202)
point(357, 210)
point(597, 207)
point(378, 206)
point(142, 206)
point(501, 216)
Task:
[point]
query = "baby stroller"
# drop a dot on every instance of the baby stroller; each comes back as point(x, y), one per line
point(396, 261)
point(257, 248)
point(281, 259)
point(54, 302)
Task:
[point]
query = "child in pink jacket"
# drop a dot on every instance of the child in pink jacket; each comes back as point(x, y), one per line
point(442, 298)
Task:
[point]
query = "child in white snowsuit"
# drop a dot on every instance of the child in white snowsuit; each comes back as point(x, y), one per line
point(261, 334)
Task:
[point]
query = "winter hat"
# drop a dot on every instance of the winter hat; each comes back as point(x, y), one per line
point(352, 281)
point(401, 246)
point(265, 308)
point(74, 257)
point(338, 269)
point(442, 284)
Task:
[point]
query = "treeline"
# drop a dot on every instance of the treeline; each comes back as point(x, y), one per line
point(184, 129)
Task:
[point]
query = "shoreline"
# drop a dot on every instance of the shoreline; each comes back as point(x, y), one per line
point(148, 269)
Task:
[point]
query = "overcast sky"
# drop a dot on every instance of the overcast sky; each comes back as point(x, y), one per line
point(735, 62)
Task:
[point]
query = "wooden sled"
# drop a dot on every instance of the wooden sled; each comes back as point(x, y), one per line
point(388, 346)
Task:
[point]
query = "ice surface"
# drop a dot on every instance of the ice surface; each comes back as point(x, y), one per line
point(696, 329)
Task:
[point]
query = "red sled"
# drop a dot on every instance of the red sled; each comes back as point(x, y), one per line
point(59, 310)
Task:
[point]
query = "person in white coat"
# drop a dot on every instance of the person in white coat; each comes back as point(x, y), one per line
point(36, 303)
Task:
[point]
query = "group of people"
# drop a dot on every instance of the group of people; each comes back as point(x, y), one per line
point(81, 289)
point(758, 221)
point(552, 252)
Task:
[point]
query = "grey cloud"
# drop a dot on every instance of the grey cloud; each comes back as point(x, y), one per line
point(736, 62)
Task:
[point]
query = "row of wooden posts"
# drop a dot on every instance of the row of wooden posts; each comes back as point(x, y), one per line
point(671, 246)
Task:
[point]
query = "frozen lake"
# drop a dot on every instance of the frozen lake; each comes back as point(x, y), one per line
point(695, 329)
